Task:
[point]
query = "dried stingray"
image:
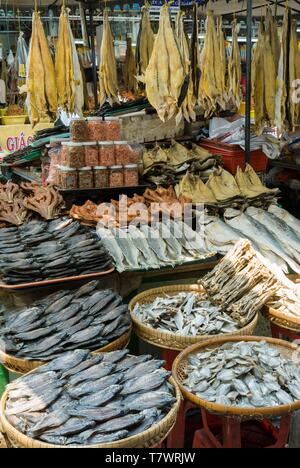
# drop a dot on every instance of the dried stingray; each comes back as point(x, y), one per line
point(108, 68)
point(45, 200)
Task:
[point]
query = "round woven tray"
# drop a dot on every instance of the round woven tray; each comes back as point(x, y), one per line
point(23, 366)
point(282, 319)
point(169, 340)
point(147, 439)
point(179, 374)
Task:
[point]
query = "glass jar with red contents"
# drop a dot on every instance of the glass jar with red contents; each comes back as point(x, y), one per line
point(122, 153)
point(79, 130)
point(116, 176)
point(68, 178)
point(73, 154)
point(101, 177)
point(96, 129)
point(112, 129)
point(131, 175)
point(107, 153)
point(85, 178)
point(91, 153)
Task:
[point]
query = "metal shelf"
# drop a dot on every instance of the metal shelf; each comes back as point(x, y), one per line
point(284, 164)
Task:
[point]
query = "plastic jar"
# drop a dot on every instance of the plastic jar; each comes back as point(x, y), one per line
point(85, 178)
point(112, 129)
point(116, 177)
point(79, 130)
point(131, 175)
point(101, 177)
point(96, 130)
point(73, 155)
point(68, 178)
point(91, 154)
point(107, 153)
point(122, 153)
point(135, 153)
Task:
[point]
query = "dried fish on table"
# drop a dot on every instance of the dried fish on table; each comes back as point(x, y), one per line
point(110, 408)
point(243, 374)
point(188, 314)
point(82, 318)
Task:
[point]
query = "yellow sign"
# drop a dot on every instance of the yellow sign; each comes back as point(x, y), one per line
point(17, 137)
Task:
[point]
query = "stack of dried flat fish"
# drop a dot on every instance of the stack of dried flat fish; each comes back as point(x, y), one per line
point(240, 283)
point(81, 399)
point(19, 202)
point(244, 374)
point(148, 247)
point(251, 186)
point(187, 314)
point(67, 68)
point(224, 188)
point(130, 68)
point(108, 68)
point(191, 186)
point(145, 43)
point(43, 250)
point(41, 79)
point(164, 76)
point(64, 321)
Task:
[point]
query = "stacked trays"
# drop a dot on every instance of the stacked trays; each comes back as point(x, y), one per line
point(80, 319)
point(175, 341)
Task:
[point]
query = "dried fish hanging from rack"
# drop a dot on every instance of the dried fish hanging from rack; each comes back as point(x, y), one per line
point(223, 63)
point(281, 89)
point(145, 42)
point(67, 67)
point(234, 70)
point(211, 96)
point(294, 75)
point(108, 68)
point(195, 52)
point(164, 76)
point(130, 68)
point(187, 97)
point(41, 80)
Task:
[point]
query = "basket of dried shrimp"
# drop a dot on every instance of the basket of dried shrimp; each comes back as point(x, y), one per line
point(180, 373)
point(168, 339)
point(281, 318)
point(147, 439)
point(23, 366)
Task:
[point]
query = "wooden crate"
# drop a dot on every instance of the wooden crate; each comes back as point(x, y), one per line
point(145, 128)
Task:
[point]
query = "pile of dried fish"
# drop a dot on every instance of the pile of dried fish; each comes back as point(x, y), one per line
point(152, 247)
point(240, 283)
point(43, 250)
point(244, 374)
point(80, 399)
point(63, 321)
point(185, 314)
point(18, 202)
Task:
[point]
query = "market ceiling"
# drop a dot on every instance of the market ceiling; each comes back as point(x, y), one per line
point(219, 6)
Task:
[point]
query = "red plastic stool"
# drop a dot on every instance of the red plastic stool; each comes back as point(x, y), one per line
point(280, 332)
point(233, 433)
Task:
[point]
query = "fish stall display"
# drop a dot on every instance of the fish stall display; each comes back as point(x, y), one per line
point(85, 318)
point(242, 282)
point(188, 314)
point(81, 399)
point(243, 374)
point(152, 247)
point(41, 250)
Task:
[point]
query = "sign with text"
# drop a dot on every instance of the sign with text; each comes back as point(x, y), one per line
point(17, 137)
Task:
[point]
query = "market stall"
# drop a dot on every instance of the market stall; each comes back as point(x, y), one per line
point(144, 237)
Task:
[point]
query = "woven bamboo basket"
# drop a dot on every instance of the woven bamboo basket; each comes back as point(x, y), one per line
point(287, 349)
point(23, 366)
point(169, 340)
point(282, 319)
point(147, 439)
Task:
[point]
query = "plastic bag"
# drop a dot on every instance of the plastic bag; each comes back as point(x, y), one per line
point(22, 56)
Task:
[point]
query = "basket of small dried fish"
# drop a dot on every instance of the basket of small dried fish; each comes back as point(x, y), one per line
point(85, 318)
point(174, 317)
point(248, 377)
point(284, 309)
point(112, 400)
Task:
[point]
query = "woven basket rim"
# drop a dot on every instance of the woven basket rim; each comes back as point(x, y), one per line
point(28, 366)
point(160, 333)
point(283, 319)
point(250, 412)
point(148, 434)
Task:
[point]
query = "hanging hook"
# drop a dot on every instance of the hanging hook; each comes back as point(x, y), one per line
point(35, 6)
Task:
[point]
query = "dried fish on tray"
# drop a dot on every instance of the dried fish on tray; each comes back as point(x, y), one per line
point(42, 250)
point(152, 247)
point(66, 320)
point(244, 374)
point(80, 399)
point(187, 314)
